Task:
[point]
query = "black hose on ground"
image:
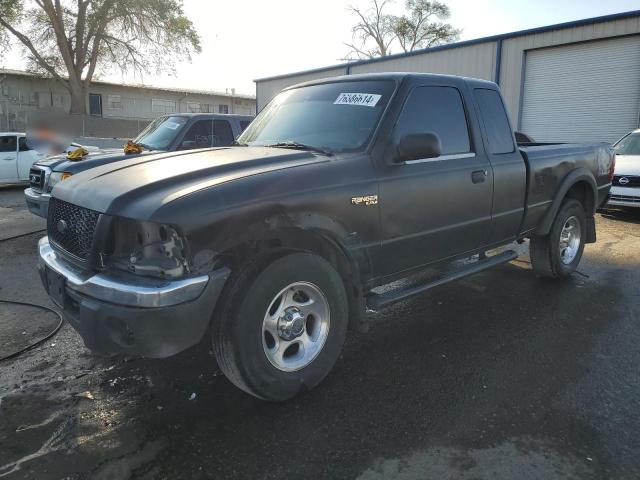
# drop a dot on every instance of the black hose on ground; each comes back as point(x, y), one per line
point(37, 342)
point(27, 304)
point(22, 235)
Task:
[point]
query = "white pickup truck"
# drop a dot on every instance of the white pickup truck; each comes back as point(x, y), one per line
point(16, 158)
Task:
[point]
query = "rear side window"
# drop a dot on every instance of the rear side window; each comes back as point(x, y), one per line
point(8, 144)
point(496, 122)
point(436, 110)
point(222, 133)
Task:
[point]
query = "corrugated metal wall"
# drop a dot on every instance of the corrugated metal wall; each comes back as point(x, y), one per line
point(476, 60)
point(268, 89)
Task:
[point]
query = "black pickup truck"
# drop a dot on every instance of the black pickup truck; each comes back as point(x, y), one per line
point(179, 131)
point(273, 247)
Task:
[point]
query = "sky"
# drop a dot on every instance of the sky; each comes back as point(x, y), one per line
point(247, 39)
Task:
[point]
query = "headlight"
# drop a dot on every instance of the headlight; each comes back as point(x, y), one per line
point(57, 177)
point(147, 249)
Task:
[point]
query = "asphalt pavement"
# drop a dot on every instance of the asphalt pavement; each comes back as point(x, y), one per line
point(498, 376)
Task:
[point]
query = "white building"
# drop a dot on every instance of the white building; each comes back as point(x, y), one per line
point(575, 81)
point(22, 94)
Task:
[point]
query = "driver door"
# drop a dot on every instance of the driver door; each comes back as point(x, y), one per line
point(434, 208)
point(8, 158)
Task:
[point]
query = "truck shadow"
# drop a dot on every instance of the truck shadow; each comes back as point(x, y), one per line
point(628, 215)
point(469, 364)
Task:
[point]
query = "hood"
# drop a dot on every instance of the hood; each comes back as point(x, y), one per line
point(60, 163)
point(627, 165)
point(137, 187)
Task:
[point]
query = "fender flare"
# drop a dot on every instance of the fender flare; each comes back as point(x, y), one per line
point(577, 175)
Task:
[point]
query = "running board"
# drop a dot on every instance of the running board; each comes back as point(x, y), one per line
point(376, 301)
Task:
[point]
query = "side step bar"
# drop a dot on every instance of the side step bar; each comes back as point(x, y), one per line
point(376, 301)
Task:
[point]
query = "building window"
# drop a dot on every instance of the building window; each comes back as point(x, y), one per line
point(95, 104)
point(223, 108)
point(58, 100)
point(163, 106)
point(114, 102)
point(195, 107)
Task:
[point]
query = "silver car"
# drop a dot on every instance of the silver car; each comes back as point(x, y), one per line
point(625, 191)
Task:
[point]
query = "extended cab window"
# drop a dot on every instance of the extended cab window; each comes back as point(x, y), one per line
point(436, 110)
point(496, 122)
point(8, 144)
point(337, 117)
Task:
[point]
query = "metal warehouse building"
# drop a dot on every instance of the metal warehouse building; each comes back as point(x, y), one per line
point(575, 81)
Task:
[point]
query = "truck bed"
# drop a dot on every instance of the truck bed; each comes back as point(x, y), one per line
point(547, 166)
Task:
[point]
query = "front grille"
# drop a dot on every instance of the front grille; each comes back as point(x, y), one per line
point(625, 198)
point(36, 179)
point(632, 181)
point(71, 227)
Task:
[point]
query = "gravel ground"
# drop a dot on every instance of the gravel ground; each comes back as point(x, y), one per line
point(498, 376)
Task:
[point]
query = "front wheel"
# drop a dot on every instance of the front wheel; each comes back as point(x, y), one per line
point(558, 253)
point(281, 326)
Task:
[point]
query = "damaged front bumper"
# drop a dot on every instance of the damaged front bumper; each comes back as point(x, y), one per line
point(119, 312)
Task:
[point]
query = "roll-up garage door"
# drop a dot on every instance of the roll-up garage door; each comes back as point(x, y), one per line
point(582, 92)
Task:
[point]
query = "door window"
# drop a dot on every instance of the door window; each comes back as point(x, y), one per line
point(496, 122)
point(436, 110)
point(22, 144)
point(8, 144)
point(200, 133)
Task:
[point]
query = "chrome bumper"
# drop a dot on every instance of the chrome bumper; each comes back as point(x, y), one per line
point(624, 197)
point(122, 288)
point(38, 203)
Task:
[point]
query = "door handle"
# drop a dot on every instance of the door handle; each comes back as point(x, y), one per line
point(479, 176)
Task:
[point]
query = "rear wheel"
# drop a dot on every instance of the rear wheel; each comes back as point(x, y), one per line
point(281, 326)
point(558, 253)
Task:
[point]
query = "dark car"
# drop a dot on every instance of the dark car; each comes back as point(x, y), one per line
point(180, 131)
point(274, 247)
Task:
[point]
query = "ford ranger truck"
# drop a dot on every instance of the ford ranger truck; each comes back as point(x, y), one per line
point(179, 131)
point(272, 248)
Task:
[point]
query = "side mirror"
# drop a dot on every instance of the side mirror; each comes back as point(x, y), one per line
point(188, 145)
point(415, 146)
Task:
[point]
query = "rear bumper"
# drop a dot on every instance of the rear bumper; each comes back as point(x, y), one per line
point(123, 313)
point(37, 202)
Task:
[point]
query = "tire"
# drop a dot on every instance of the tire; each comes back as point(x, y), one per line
point(548, 258)
point(265, 357)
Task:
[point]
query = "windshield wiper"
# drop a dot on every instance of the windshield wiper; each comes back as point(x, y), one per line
point(300, 146)
point(238, 144)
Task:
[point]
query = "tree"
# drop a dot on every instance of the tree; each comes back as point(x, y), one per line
point(72, 40)
point(421, 26)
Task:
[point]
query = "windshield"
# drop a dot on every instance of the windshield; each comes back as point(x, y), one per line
point(334, 117)
point(160, 133)
point(629, 145)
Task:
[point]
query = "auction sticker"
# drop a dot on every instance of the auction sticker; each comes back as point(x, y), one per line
point(360, 99)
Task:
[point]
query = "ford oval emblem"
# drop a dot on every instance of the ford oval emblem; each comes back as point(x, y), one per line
point(62, 226)
point(623, 181)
